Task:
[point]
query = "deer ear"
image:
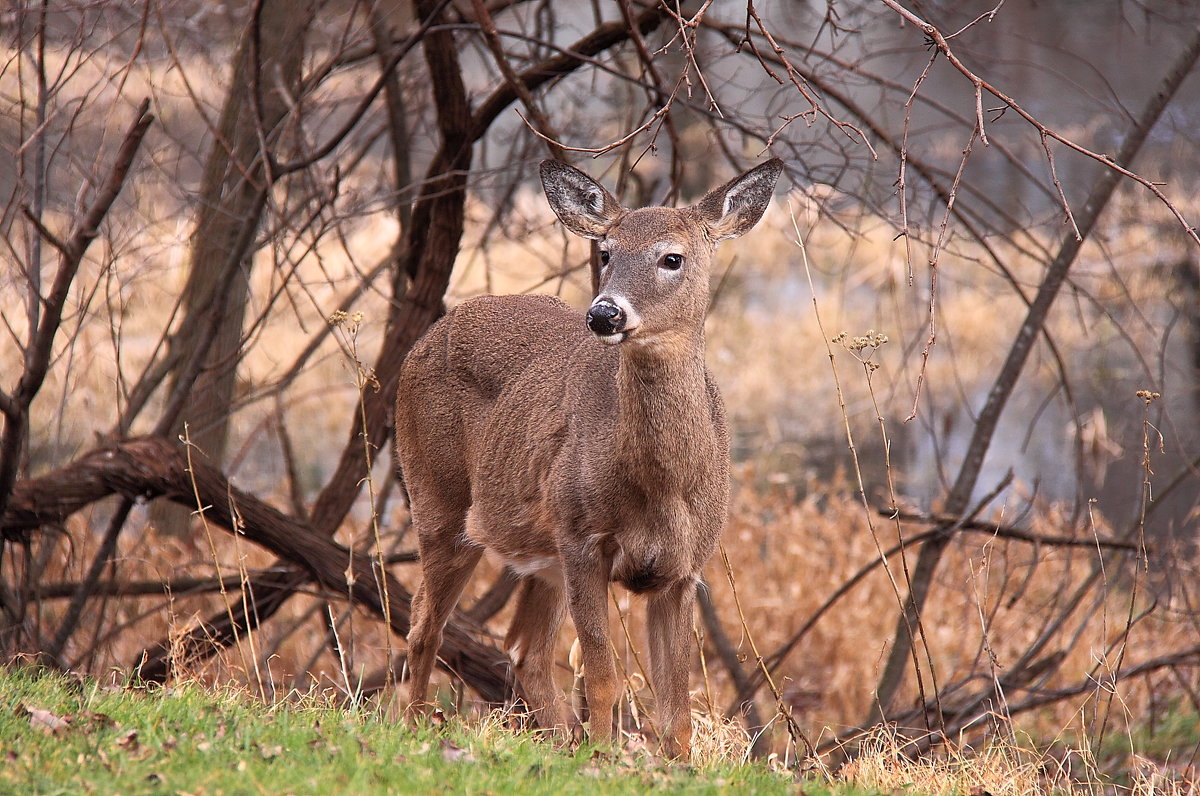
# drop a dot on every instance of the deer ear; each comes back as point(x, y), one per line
point(736, 206)
point(580, 202)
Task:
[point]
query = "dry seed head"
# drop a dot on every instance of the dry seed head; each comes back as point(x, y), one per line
point(1148, 396)
point(872, 339)
point(343, 318)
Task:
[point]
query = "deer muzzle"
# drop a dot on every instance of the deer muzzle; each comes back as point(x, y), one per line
point(607, 319)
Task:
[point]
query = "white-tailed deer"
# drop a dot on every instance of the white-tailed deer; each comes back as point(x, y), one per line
point(579, 457)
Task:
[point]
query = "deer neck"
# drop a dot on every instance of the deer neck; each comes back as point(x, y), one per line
point(664, 413)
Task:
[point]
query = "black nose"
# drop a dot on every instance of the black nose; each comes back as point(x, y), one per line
point(605, 317)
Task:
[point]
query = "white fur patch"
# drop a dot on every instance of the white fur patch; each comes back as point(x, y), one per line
point(532, 565)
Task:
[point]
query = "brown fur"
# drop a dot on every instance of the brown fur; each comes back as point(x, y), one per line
point(578, 462)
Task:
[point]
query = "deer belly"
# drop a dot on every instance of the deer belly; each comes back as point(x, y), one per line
point(644, 571)
point(516, 539)
point(544, 567)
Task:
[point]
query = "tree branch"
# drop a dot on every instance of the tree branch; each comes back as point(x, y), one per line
point(37, 355)
point(148, 467)
point(1117, 166)
point(989, 417)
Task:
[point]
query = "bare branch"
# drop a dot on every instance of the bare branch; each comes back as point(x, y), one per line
point(1119, 164)
point(540, 123)
point(148, 467)
point(37, 355)
point(1010, 532)
point(1027, 335)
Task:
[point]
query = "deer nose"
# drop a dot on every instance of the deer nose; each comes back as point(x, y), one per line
point(605, 317)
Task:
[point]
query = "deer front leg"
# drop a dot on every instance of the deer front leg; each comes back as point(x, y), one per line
point(669, 626)
point(587, 597)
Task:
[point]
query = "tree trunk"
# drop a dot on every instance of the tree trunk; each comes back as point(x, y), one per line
point(261, 92)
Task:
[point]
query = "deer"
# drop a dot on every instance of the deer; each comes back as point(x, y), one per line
point(579, 449)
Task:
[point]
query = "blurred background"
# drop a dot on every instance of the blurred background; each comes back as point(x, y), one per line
point(960, 355)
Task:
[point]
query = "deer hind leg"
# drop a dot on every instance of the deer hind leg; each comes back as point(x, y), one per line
point(530, 643)
point(446, 564)
point(669, 626)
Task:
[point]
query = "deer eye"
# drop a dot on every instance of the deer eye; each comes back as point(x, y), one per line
point(603, 257)
point(672, 262)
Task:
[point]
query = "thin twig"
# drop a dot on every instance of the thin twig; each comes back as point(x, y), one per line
point(1010, 532)
point(1119, 165)
point(41, 345)
point(541, 122)
point(985, 426)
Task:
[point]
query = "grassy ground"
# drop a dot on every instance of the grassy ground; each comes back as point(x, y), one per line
point(64, 735)
point(59, 735)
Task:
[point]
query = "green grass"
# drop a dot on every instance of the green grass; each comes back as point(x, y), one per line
point(61, 736)
point(1170, 738)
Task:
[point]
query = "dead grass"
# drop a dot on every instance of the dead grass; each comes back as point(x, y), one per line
point(1004, 767)
point(788, 552)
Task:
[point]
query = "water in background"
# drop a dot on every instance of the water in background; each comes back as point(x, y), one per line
point(1085, 69)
